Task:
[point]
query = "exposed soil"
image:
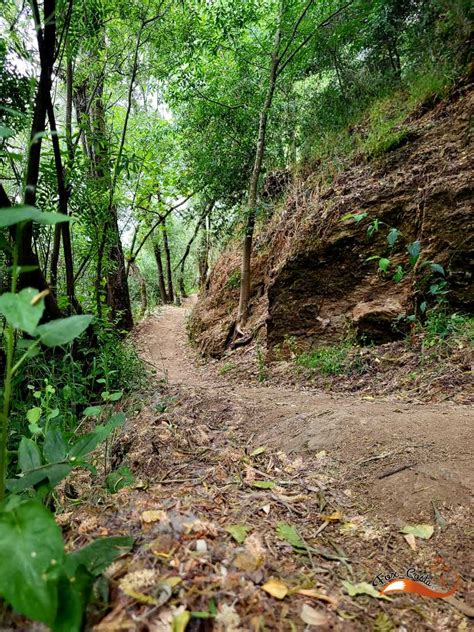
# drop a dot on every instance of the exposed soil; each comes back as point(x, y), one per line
point(313, 274)
point(211, 453)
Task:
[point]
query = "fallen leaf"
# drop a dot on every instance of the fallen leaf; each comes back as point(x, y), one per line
point(313, 617)
point(334, 517)
point(238, 531)
point(264, 484)
point(410, 538)
point(363, 588)
point(424, 531)
point(315, 594)
point(275, 588)
point(180, 621)
point(266, 509)
point(201, 546)
point(321, 454)
point(258, 451)
point(247, 562)
point(172, 581)
point(154, 515)
point(288, 533)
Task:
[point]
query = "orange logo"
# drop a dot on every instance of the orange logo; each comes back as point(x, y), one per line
point(421, 584)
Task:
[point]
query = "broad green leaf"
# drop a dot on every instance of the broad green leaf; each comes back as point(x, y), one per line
point(21, 311)
point(63, 330)
point(424, 531)
point(363, 588)
point(100, 553)
point(23, 213)
point(52, 473)
point(437, 267)
point(54, 448)
point(33, 415)
point(384, 264)
point(264, 484)
point(74, 591)
point(289, 533)
point(238, 531)
point(31, 548)
point(392, 237)
point(414, 250)
point(399, 274)
point(114, 397)
point(86, 444)
point(92, 411)
point(6, 132)
point(29, 455)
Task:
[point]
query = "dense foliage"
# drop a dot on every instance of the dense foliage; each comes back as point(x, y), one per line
point(136, 139)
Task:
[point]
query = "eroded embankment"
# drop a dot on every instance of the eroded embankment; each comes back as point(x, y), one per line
point(312, 280)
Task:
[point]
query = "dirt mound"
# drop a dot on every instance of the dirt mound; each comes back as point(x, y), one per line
point(312, 279)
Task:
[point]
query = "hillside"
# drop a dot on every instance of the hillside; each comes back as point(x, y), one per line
point(315, 283)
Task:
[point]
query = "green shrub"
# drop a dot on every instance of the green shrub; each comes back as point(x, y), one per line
point(326, 360)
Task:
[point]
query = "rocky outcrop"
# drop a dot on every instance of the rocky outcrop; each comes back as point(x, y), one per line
point(314, 276)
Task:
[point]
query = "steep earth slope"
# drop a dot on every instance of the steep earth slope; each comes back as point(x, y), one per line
point(312, 279)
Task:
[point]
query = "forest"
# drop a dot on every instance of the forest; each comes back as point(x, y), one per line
point(236, 312)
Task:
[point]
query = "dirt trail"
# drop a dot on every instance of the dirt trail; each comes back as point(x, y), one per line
point(366, 439)
point(310, 481)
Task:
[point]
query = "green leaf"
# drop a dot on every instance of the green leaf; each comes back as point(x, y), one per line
point(54, 448)
point(114, 397)
point(23, 213)
point(75, 591)
point(258, 451)
point(363, 588)
point(384, 264)
point(437, 267)
point(19, 310)
point(238, 531)
point(424, 531)
point(86, 444)
point(392, 237)
point(6, 132)
point(53, 473)
point(264, 484)
point(399, 274)
point(31, 548)
point(34, 414)
point(92, 411)
point(289, 533)
point(123, 477)
point(414, 250)
point(29, 455)
point(63, 330)
point(100, 553)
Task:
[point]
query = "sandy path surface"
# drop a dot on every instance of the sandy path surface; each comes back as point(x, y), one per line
point(366, 440)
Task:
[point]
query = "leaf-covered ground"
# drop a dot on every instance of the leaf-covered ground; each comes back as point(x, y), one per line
point(236, 533)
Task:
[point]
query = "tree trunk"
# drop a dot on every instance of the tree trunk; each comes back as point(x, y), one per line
point(169, 272)
point(26, 255)
point(63, 194)
point(253, 188)
point(161, 276)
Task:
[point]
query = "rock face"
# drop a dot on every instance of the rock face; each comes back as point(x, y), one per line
point(313, 276)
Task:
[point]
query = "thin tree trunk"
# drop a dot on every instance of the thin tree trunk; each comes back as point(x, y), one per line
point(253, 187)
point(161, 275)
point(27, 257)
point(169, 272)
point(63, 194)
